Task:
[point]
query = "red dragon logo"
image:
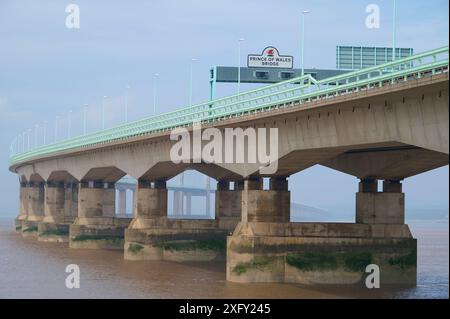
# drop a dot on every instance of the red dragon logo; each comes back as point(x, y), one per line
point(270, 52)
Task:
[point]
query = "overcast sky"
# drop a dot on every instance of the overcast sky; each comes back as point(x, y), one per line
point(47, 69)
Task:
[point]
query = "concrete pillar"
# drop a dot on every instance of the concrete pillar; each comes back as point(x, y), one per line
point(36, 196)
point(188, 204)
point(228, 205)
point(133, 200)
point(271, 205)
point(122, 201)
point(23, 201)
point(176, 203)
point(96, 199)
point(151, 201)
point(71, 201)
point(54, 206)
point(387, 207)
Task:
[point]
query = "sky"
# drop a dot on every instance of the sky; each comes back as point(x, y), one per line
point(47, 69)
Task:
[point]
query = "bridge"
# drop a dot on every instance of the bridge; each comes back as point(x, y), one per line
point(383, 123)
point(181, 201)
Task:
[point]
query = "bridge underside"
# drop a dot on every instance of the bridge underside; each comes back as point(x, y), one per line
point(395, 134)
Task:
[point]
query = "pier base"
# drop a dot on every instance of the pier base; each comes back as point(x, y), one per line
point(175, 240)
point(320, 253)
point(98, 233)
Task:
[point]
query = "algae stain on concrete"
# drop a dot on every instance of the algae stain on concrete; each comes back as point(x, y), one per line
point(257, 263)
point(97, 237)
point(405, 261)
point(30, 229)
point(135, 248)
point(313, 261)
point(188, 245)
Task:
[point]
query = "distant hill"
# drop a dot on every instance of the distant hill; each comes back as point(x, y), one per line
point(300, 212)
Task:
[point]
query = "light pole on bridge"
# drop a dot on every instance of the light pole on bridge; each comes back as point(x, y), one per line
point(69, 123)
point(36, 127)
point(28, 135)
point(239, 65)
point(190, 81)
point(56, 128)
point(304, 12)
point(103, 111)
point(126, 103)
point(155, 79)
point(45, 131)
point(85, 118)
point(394, 31)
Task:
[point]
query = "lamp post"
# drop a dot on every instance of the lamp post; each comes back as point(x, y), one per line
point(155, 78)
point(56, 128)
point(126, 103)
point(303, 40)
point(103, 111)
point(69, 123)
point(28, 135)
point(394, 31)
point(239, 65)
point(36, 127)
point(190, 81)
point(85, 119)
point(45, 131)
point(23, 141)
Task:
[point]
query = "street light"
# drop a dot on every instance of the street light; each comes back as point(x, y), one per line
point(85, 119)
point(190, 82)
point(103, 111)
point(29, 132)
point(126, 103)
point(36, 127)
point(45, 131)
point(393, 31)
point(23, 141)
point(155, 77)
point(56, 128)
point(69, 123)
point(303, 40)
point(239, 65)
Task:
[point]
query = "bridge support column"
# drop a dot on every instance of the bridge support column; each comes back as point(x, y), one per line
point(266, 247)
point(96, 226)
point(152, 236)
point(272, 205)
point(54, 227)
point(71, 202)
point(122, 201)
point(35, 209)
point(387, 207)
point(228, 205)
point(23, 206)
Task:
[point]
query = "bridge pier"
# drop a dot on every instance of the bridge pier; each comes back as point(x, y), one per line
point(23, 206)
point(57, 208)
point(122, 202)
point(35, 213)
point(152, 236)
point(266, 247)
point(228, 205)
point(96, 226)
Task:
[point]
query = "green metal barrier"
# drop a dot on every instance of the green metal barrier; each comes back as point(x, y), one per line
point(284, 94)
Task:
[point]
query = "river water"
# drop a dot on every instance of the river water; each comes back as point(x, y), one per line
point(29, 269)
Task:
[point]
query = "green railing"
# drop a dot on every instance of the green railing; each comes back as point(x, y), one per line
point(280, 95)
